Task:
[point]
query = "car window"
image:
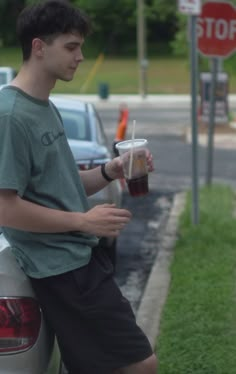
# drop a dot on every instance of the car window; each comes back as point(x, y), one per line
point(75, 124)
point(3, 78)
point(101, 137)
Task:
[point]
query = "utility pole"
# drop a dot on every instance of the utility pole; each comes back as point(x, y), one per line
point(142, 53)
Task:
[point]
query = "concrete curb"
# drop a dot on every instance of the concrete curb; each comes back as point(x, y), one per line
point(149, 313)
point(137, 101)
point(225, 140)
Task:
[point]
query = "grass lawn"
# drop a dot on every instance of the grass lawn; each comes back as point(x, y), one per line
point(166, 75)
point(198, 326)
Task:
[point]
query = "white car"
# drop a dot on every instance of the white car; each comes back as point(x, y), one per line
point(27, 346)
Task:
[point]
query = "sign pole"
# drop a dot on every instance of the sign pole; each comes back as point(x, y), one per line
point(211, 126)
point(193, 9)
point(194, 80)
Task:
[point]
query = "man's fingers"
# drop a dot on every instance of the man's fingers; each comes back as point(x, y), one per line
point(107, 220)
point(118, 212)
point(106, 205)
point(123, 212)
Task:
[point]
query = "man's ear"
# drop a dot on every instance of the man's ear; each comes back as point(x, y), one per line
point(38, 47)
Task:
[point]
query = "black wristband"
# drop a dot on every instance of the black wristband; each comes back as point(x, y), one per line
point(104, 174)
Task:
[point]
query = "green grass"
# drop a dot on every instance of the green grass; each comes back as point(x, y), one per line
point(10, 57)
point(166, 75)
point(122, 75)
point(198, 326)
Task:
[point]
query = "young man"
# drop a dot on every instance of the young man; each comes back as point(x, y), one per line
point(44, 210)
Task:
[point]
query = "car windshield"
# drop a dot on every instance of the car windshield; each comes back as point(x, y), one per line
point(76, 124)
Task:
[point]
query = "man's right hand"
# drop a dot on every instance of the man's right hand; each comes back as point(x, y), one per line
point(105, 220)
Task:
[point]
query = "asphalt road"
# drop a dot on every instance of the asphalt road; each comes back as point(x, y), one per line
point(165, 130)
point(138, 244)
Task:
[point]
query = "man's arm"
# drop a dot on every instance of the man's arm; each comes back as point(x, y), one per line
point(94, 181)
point(102, 220)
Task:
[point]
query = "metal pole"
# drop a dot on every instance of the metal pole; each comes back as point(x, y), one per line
point(220, 65)
point(194, 91)
point(211, 126)
point(141, 41)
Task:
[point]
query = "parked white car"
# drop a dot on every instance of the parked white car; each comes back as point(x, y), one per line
point(27, 346)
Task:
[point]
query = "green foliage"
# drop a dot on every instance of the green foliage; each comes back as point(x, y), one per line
point(230, 64)
point(162, 10)
point(198, 329)
point(115, 31)
point(111, 29)
point(180, 44)
point(9, 10)
point(114, 23)
point(162, 24)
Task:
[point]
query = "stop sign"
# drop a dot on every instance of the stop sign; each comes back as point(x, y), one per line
point(216, 29)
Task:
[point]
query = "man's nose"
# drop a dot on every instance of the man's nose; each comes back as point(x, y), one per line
point(79, 57)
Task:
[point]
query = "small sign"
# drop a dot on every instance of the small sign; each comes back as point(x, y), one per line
point(221, 98)
point(192, 7)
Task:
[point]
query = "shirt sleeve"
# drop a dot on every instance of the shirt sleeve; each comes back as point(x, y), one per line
point(15, 163)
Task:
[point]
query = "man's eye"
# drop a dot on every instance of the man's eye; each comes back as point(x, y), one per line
point(71, 47)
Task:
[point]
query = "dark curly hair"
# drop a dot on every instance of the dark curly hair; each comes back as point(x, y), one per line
point(48, 19)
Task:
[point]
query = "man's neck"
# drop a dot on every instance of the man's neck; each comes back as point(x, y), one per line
point(33, 82)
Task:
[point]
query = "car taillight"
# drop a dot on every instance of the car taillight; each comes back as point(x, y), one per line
point(20, 320)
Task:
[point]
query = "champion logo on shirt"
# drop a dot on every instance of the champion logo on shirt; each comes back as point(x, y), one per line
point(49, 137)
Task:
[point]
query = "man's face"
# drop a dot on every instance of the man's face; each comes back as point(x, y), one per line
point(62, 57)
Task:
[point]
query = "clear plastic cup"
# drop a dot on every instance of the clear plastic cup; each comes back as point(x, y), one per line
point(134, 161)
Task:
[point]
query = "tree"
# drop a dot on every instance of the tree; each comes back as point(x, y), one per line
point(114, 23)
point(9, 10)
point(162, 23)
point(114, 28)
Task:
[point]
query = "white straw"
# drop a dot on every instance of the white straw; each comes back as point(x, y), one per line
point(132, 149)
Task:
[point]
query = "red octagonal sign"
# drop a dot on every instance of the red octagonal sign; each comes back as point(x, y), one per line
point(216, 29)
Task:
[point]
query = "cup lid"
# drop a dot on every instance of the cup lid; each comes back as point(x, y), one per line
point(127, 144)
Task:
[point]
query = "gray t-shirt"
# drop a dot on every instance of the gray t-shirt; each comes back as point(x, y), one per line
point(36, 161)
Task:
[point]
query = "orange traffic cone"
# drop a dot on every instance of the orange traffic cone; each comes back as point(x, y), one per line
point(121, 127)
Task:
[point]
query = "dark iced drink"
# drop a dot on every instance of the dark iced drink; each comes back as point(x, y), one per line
point(138, 186)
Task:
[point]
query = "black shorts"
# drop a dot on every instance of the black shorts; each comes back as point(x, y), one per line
point(94, 323)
